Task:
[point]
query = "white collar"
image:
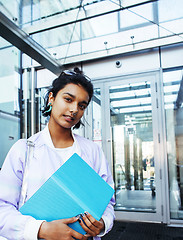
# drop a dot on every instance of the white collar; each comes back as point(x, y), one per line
point(49, 142)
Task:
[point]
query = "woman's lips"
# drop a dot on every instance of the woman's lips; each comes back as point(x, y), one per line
point(68, 118)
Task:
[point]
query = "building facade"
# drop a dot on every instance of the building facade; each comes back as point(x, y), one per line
point(132, 51)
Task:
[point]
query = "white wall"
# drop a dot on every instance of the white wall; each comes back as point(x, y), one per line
point(130, 64)
point(139, 62)
point(172, 57)
point(45, 78)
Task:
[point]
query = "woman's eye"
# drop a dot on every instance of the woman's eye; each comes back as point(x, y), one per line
point(68, 99)
point(82, 107)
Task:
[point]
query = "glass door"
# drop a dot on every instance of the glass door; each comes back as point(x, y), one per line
point(129, 133)
point(133, 132)
point(173, 104)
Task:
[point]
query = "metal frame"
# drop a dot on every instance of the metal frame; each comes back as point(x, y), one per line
point(26, 44)
point(51, 25)
point(162, 206)
point(119, 50)
point(163, 151)
point(126, 49)
point(154, 3)
point(33, 85)
point(165, 193)
point(25, 90)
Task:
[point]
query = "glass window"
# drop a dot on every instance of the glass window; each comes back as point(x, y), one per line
point(136, 16)
point(170, 10)
point(173, 99)
point(108, 24)
point(11, 10)
point(133, 147)
point(34, 11)
point(58, 36)
point(170, 17)
point(9, 98)
point(96, 111)
point(43, 121)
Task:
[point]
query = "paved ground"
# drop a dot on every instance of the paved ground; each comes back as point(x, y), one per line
point(143, 231)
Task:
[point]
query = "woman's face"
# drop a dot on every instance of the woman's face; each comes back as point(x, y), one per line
point(68, 106)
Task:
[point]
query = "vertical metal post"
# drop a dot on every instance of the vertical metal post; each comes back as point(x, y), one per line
point(25, 89)
point(32, 100)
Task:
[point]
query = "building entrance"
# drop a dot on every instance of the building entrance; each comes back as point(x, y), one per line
point(129, 132)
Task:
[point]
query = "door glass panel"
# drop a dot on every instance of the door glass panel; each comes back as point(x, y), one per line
point(10, 104)
point(96, 110)
point(133, 148)
point(43, 121)
point(173, 99)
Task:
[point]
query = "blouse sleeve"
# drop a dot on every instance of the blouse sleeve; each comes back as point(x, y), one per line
point(102, 168)
point(12, 222)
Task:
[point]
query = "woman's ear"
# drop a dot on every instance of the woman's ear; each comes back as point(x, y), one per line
point(50, 98)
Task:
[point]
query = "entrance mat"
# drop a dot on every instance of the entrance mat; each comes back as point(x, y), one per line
point(143, 231)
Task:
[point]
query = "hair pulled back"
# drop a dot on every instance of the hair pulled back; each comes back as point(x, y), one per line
point(66, 77)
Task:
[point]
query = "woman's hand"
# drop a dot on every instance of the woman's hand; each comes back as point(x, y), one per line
point(59, 230)
point(91, 225)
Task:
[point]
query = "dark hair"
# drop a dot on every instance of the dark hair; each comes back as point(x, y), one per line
point(76, 77)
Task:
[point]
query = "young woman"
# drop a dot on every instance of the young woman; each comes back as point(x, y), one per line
point(67, 100)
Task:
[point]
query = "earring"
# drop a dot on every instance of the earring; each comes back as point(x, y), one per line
point(50, 107)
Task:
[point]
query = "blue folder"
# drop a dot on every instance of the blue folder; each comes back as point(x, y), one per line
point(73, 189)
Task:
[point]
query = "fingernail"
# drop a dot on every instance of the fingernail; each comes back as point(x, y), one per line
point(86, 213)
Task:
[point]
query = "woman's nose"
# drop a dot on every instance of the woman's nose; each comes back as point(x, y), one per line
point(74, 109)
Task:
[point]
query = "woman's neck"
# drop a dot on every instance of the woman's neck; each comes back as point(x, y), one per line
point(61, 137)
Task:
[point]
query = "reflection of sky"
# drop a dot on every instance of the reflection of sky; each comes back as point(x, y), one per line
point(130, 93)
point(129, 103)
point(126, 103)
point(168, 89)
point(131, 99)
point(171, 90)
point(135, 109)
point(172, 76)
point(116, 28)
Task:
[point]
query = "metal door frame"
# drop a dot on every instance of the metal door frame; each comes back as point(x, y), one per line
point(161, 169)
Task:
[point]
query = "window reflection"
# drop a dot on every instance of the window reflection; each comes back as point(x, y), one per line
point(136, 16)
point(96, 109)
point(9, 99)
point(130, 23)
point(173, 98)
point(133, 147)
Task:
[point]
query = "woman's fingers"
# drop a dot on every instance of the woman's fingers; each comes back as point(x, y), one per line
point(70, 220)
point(99, 224)
point(59, 229)
point(86, 228)
point(91, 225)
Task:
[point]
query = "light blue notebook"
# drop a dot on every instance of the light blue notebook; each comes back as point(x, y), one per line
point(73, 189)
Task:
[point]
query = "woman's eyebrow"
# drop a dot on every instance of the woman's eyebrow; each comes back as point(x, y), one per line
point(71, 95)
